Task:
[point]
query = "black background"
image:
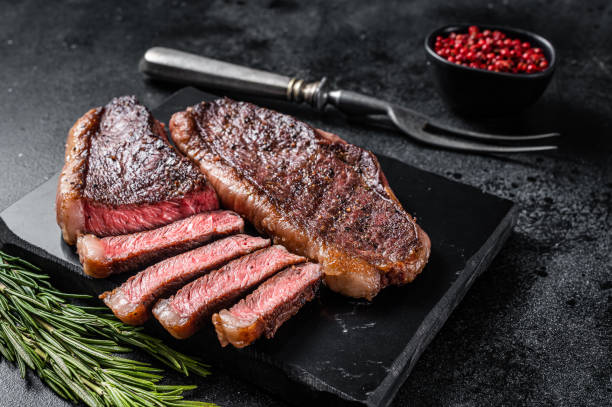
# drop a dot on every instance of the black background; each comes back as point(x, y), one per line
point(536, 327)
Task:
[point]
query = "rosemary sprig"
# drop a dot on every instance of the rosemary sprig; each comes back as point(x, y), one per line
point(73, 347)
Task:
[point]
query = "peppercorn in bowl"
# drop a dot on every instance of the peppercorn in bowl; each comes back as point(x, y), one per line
point(489, 70)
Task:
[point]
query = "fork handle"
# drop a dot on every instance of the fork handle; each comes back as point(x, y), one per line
point(183, 67)
point(354, 103)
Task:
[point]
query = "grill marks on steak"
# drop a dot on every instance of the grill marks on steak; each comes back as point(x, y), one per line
point(314, 193)
point(133, 300)
point(264, 310)
point(116, 254)
point(121, 175)
point(131, 146)
point(183, 313)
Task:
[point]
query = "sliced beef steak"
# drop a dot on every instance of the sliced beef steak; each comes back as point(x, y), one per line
point(117, 254)
point(310, 190)
point(264, 310)
point(121, 175)
point(132, 301)
point(183, 313)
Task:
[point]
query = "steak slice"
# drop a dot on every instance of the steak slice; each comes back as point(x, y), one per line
point(132, 301)
point(264, 310)
point(183, 313)
point(310, 190)
point(117, 254)
point(122, 176)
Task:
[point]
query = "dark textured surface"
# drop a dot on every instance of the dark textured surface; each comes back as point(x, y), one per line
point(333, 345)
point(535, 328)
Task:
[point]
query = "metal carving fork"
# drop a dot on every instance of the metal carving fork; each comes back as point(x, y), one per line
point(182, 67)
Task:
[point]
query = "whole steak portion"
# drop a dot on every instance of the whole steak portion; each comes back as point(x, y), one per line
point(121, 175)
point(310, 190)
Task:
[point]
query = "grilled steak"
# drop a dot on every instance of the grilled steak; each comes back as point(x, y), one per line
point(310, 190)
point(132, 301)
point(117, 254)
point(264, 310)
point(183, 313)
point(121, 175)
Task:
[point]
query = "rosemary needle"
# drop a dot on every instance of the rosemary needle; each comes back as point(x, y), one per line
point(74, 348)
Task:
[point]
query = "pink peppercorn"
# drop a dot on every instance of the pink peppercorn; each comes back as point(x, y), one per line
point(490, 50)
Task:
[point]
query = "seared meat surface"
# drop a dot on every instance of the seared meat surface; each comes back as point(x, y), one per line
point(311, 191)
point(121, 175)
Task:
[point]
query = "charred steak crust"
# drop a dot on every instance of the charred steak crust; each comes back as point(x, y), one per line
point(118, 254)
point(264, 310)
point(313, 192)
point(183, 313)
point(132, 301)
point(131, 161)
point(118, 163)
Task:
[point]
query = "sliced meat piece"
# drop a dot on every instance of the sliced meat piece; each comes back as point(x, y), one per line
point(132, 301)
point(183, 313)
point(122, 176)
point(117, 254)
point(264, 310)
point(310, 190)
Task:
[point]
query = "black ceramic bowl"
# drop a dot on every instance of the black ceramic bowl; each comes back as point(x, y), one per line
point(480, 92)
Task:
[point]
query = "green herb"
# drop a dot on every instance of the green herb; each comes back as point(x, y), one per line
point(73, 348)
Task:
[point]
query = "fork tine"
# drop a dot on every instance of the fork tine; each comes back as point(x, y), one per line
point(472, 146)
point(419, 133)
point(383, 119)
point(420, 127)
point(448, 143)
point(486, 136)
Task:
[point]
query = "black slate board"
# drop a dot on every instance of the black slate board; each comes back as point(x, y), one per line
point(337, 350)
